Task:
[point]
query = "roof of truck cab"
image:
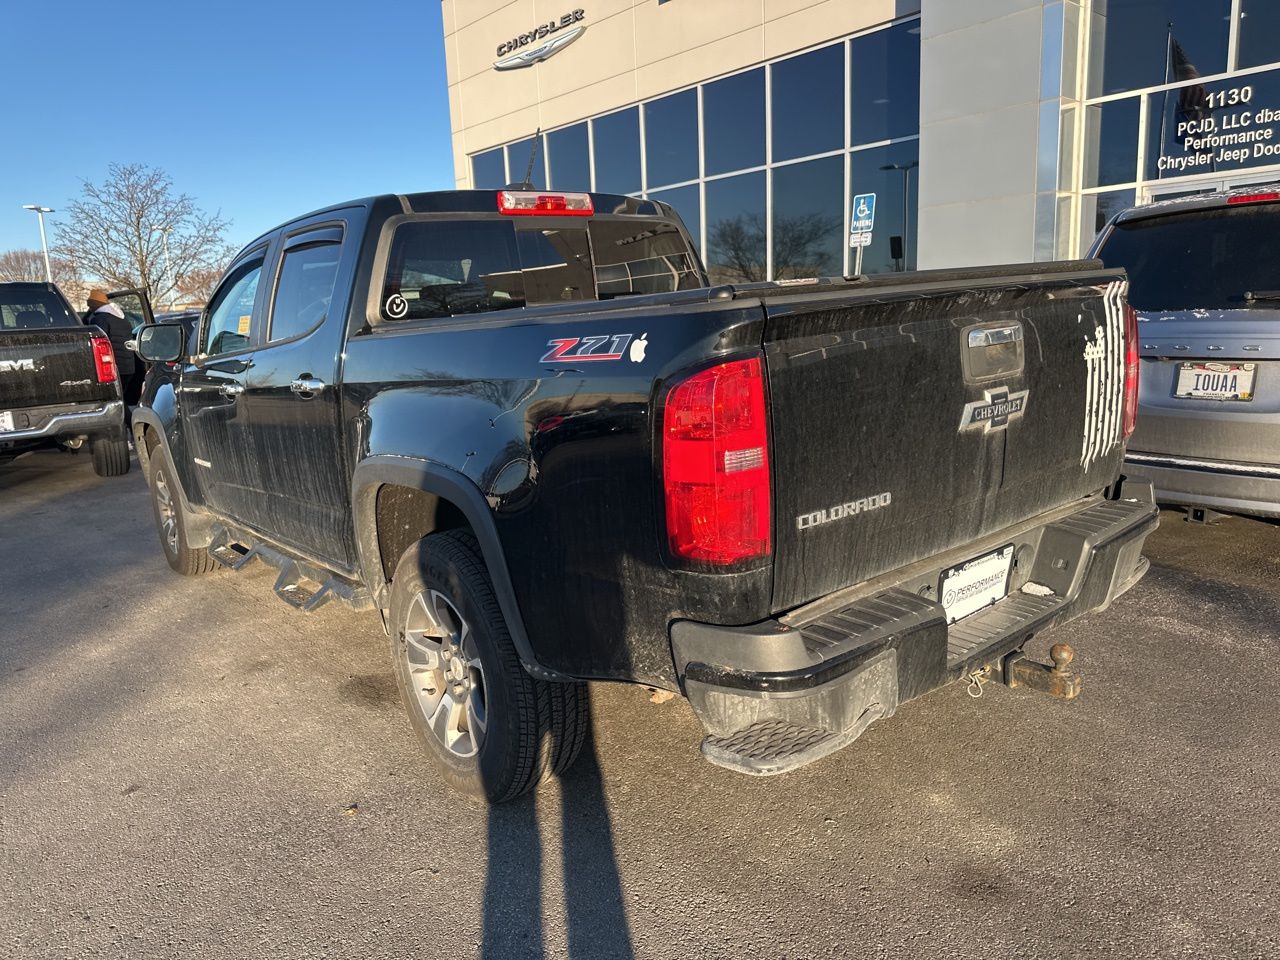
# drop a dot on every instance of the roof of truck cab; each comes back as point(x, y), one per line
point(1198, 201)
point(468, 201)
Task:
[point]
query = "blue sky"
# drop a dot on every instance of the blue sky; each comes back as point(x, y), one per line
point(261, 110)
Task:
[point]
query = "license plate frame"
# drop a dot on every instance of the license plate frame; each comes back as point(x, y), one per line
point(1187, 376)
point(6, 421)
point(976, 584)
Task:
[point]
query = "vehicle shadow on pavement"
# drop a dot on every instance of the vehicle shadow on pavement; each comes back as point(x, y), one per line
point(595, 917)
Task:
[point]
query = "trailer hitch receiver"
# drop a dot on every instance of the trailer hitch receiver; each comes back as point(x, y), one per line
point(1054, 679)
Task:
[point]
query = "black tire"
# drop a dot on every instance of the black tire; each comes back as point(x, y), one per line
point(111, 458)
point(173, 540)
point(535, 728)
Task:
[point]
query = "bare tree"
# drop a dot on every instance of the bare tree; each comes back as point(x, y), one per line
point(801, 247)
point(196, 286)
point(29, 265)
point(118, 231)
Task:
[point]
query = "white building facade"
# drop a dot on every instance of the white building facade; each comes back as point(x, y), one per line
point(989, 130)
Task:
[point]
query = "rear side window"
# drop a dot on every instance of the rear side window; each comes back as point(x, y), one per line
point(24, 309)
point(1207, 259)
point(304, 290)
point(450, 268)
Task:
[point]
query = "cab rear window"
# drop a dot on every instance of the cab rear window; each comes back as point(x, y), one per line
point(33, 310)
point(1204, 259)
point(448, 268)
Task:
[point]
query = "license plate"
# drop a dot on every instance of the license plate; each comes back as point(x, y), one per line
point(1216, 381)
point(6, 421)
point(979, 583)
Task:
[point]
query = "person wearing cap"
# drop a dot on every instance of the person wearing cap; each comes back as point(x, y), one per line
point(105, 314)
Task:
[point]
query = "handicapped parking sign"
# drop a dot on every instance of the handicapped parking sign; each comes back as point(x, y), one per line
point(864, 213)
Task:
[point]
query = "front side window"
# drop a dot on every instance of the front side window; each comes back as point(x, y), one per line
point(231, 310)
point(305, 289)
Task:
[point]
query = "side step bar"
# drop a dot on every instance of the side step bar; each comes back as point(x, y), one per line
point(302, 585)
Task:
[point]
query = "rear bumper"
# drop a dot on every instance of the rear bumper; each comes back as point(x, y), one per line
point(776, 695)
point(1217, 484)
point(43, 425)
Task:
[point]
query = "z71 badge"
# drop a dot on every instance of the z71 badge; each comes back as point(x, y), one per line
point(994, 411)
point(608, 347)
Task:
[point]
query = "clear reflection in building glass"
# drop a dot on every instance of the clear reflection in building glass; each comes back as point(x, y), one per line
point(812, 102)
point(733, 122)
point(736, 229)
point(1142, 43)
point(488, 170)
point(521, 155)
point(617, 144)
point(892, 173)
point(808, 104)
point(1114, 127)
point(808, 228)
point(1259, 32)
point(569, 154)
point(884, 85)
point(671, 138)
point(686, 203)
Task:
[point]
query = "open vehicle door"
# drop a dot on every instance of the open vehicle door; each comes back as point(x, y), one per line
point(136, 306)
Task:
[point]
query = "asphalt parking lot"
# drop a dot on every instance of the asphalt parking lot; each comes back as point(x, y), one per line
point(191, 768)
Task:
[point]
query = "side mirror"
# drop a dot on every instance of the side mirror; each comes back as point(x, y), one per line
point(161, 342)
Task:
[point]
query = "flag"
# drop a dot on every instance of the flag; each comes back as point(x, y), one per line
point(1193, 102)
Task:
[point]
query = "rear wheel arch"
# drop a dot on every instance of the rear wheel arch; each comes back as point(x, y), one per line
point(418, 498)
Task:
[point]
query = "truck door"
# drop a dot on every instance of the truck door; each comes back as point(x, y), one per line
point(290, 404)
point(211, 388)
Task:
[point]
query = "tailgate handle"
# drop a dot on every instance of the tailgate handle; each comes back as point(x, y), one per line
point(994, 336)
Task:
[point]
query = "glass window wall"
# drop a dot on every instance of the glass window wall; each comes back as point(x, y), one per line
point(767, 214)
point(569, 154)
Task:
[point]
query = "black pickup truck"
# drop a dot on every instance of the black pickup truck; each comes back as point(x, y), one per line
point(523, 429)
point(59, 386)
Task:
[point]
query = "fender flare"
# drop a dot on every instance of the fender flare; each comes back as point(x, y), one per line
point(448, 484)
point(196, 522)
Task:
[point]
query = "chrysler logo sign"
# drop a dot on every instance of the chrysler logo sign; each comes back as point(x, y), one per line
point(541, 42)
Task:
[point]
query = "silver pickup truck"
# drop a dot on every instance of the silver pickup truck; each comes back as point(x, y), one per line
point(1204, 276)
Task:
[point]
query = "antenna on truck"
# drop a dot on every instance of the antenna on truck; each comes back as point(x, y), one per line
point(527, 182)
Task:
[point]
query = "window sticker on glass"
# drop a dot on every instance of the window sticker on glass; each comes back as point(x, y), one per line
point(242, 326)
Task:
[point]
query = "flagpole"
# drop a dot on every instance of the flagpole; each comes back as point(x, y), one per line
point(1164, 108)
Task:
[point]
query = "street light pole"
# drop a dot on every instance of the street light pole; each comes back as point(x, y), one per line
point(906, 169)
point(168, 264)
point(40, 211)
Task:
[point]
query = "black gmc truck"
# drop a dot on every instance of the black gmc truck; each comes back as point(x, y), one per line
point(523, 428)
point(59, 386)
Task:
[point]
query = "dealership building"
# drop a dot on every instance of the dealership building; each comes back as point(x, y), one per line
point(989, 131)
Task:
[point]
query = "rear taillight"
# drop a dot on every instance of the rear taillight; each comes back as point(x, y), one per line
point(715, 465)
point(104, 360)
point(533, 204)
point(1130, 370)
point(1253, 198)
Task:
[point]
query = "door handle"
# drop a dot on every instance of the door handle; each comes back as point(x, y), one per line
point(994, 336)
point(307, 387)
point(231, 389)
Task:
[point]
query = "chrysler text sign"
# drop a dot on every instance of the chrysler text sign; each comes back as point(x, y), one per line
point(543, 41)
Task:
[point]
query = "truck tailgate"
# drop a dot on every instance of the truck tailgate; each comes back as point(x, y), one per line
point(914, 415)
point(49, 366)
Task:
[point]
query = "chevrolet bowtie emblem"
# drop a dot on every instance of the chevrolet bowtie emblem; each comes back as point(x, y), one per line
point(994, 411)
